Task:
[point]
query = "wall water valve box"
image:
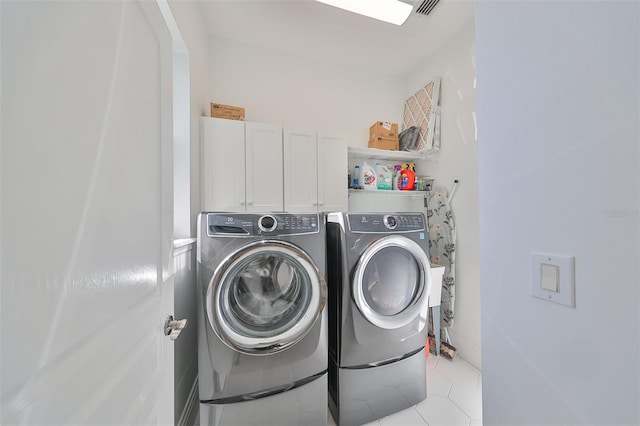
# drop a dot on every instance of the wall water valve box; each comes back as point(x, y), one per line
point(391, 144)
point(227, 111)
point(383, 129)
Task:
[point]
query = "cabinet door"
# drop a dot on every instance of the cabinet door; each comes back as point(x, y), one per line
point(300, 171)
point(263, 144)
point(332, 173)
point(223, 165)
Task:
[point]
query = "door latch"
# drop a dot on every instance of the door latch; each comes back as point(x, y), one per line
point(173, 328)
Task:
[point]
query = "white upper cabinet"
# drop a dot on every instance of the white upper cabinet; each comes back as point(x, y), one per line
point(257, 167)
point(223, 165)
point(241, 166)
point(300, 171)
point(263, 145)
point(315, 174)
point(333, 165)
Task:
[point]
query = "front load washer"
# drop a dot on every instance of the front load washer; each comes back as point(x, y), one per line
point(262, 323)
point(379, 280)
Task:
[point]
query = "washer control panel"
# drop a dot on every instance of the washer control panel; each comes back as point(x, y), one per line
point(238, 224)
point(385, 223)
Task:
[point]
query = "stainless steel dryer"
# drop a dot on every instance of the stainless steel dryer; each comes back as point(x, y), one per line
point(379, 280)
point(262, 333)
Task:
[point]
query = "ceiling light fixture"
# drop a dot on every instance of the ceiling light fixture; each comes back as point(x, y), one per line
point(392, 11)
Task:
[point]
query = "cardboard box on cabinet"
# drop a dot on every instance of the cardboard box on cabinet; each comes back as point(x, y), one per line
point(227, 111)
point(391, 144)
point(383, 129)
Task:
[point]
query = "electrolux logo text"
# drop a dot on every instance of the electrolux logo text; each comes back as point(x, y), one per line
point(621, 213)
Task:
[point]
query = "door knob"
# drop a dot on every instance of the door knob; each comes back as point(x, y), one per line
point(173, 328)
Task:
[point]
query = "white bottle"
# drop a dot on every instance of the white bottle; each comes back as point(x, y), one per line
point(396, 176)
point(368, 178)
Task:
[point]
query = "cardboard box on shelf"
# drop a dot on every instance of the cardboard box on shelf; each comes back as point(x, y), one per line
point(383, 129)
point(227, 111)
point(391, 144)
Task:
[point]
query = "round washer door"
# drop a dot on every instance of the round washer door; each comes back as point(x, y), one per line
point(265, 297)
point(392, 282)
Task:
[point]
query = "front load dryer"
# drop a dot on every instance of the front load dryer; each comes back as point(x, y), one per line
point(379, 280)
point(262, 330)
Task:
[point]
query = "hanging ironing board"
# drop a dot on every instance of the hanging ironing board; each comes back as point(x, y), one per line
point(442, 249)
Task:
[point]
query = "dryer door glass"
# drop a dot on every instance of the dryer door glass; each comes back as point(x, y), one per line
point(266, 297)
point(392, 281)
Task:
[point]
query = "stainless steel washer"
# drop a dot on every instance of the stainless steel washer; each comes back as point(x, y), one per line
point(379, 280)
point(262, 337)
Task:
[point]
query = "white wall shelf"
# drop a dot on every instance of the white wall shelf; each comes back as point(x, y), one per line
point(383, 154)
point(387, 193)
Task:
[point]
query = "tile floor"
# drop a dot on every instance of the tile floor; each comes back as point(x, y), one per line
point(454, 397)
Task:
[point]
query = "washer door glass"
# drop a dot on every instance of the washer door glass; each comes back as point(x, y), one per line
point(265, 297)
point(392, 281)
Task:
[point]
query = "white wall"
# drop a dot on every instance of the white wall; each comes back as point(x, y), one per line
point(186, 346)
point(277, 88)
point(454, 62)
point(558, 118)
point(189, 17)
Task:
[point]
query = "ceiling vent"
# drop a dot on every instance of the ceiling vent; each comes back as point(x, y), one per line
point(426, 7)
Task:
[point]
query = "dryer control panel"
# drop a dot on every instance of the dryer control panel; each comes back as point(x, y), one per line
point(239, 224)
point(385, 223)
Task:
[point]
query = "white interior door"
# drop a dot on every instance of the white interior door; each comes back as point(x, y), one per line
point(86, 225)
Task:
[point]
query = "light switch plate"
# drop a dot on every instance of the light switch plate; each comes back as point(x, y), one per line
point(549, 272)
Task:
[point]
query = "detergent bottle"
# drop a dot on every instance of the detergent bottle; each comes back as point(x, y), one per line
point(368, 178)
point(383, 175)
point(407, 179)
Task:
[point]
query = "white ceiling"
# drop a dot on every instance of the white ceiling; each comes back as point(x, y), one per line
point(312, 30)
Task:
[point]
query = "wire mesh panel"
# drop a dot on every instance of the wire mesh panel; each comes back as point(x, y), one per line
point(420, 110)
